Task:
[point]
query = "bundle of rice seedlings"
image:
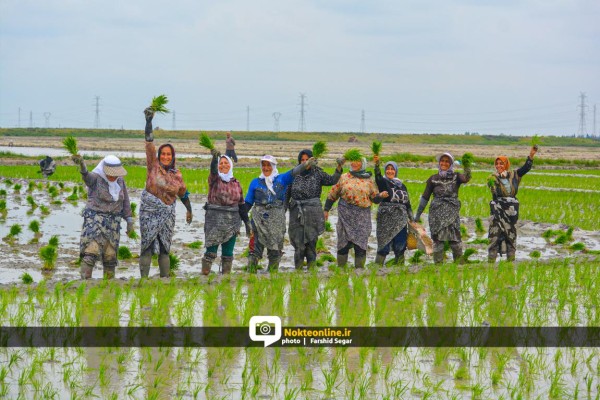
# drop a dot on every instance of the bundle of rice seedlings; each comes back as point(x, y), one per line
point(34, 226)
point(73, 196)
point(70, 144)
point(8, 182)
point(53, 191)
point(376, 147)
point(17, 188)
point(2, 205)
point(416, 258)
point(463, 231)
point(53, 241)
point(206, 142)
point(320, 247)
point(195, 245)
point(175, 262)
point(468, 253)
point(2, 193)
point(565, 237)
point(327, 257)
point(31, 186)
point(26, 278)
point(133, 208)
point(550, 233)
point(535, 141)
point(158, 104)
point(133, 235)
point(353, 155)
point(48, 255)
point(328, 227)
point(578, 246)
point(319, 149)
point(491, 182)
point(535, 254)
point(479, 226)
point(467, 160)
point(15, 230)
point(45, 210)
point(124, 253)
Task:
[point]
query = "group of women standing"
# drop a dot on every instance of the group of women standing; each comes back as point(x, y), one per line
point(271, 194)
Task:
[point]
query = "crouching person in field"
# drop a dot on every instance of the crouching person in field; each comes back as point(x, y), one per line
point(108, 203)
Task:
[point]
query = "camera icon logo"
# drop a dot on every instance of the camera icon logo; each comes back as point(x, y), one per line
point(265, 328)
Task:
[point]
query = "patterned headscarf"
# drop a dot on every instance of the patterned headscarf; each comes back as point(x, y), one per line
point(171, 166)
point(395, 179)
point(226, 177)
point(450, 170)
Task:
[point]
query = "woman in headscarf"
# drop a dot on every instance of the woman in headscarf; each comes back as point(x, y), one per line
point(225, 211)
point(107, 203)
point(444, 212)
point(164, 184)
point(356, 191)
point(306, 211)
point(393, 214)
point(504, 207)
point(266, 195)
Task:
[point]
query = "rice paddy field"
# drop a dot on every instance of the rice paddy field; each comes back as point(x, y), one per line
point(554, 283)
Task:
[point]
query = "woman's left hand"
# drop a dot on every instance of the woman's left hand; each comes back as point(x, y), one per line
point(188, 217)
point(384, 194)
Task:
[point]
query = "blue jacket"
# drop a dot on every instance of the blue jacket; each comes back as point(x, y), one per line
point(259, 193)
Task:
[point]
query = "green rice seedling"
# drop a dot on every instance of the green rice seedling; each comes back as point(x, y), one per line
point(550, 233)
point(321, 248)
point(48, 254)
point(578, 246)
point(328, 227)
point(8, 182)
point(53, 241)
point(319, 149)
point(15, 231)
point(133, 209)
point(124, 253)
point(175, 262)
point(376, 148)
point(61, 185)
point(468, 253)
point(31, 202)
point(34, 226)
point(133, 235)
point(564, 237)
point(467, 160)
point(53, 191)
point(464, 233)
point(158, 104)
point(195, 245)
point(535, 141)
point(31, 186)
point(206, 142)
point(479, 226)
point(480, 241)
point(26, 278)
point(416, 258)
point(491, 182)
point(2, 205)
point(327, 257)
point(70, 144)
point(353, 155)
point(73, 196)
point(44, 210)
point(2, 193)
point(535, 254)
point(17, 188)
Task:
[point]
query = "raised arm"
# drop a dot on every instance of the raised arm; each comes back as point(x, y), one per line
point(89, 179)
point(424, 199)
point(465, 176)
point(150, 149)
point(528, 163)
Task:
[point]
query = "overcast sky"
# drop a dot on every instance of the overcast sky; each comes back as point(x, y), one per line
point(506, 66)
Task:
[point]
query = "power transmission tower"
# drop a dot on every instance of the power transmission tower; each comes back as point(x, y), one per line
point(247, 118)
point(582, 126)
point(173, 121)
point(97, 119)
point(362, 122)
point(302, 122)
point(31, 119)
point(276, 116)
point(47, 118)
point(595, 121)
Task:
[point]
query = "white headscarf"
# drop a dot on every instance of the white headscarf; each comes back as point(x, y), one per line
point(226, 177)
point(269, 179)
point(113, 187)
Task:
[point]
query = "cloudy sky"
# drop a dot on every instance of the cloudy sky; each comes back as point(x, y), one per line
point(439, 66)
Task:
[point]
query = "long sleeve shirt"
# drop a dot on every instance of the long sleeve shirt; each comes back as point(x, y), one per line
point(259, 193)
point(165, 185)
point(310, 185)
point(445, 187)
point(100, 199)
point(357, 191)
point(220, 192)
point(509, 186)
point(397, 193)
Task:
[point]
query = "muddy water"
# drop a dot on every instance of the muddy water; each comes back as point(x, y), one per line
point(65, 221)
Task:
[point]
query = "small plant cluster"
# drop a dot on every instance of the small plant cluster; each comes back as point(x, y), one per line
point(49, 254)
point(319, 149)
point(206, 142)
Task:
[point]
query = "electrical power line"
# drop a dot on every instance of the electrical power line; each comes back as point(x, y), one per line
point(276, 116)
point(97, 118)
point(302, 122)
point(362, 122)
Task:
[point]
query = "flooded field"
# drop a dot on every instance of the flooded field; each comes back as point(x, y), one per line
point(555, 282)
